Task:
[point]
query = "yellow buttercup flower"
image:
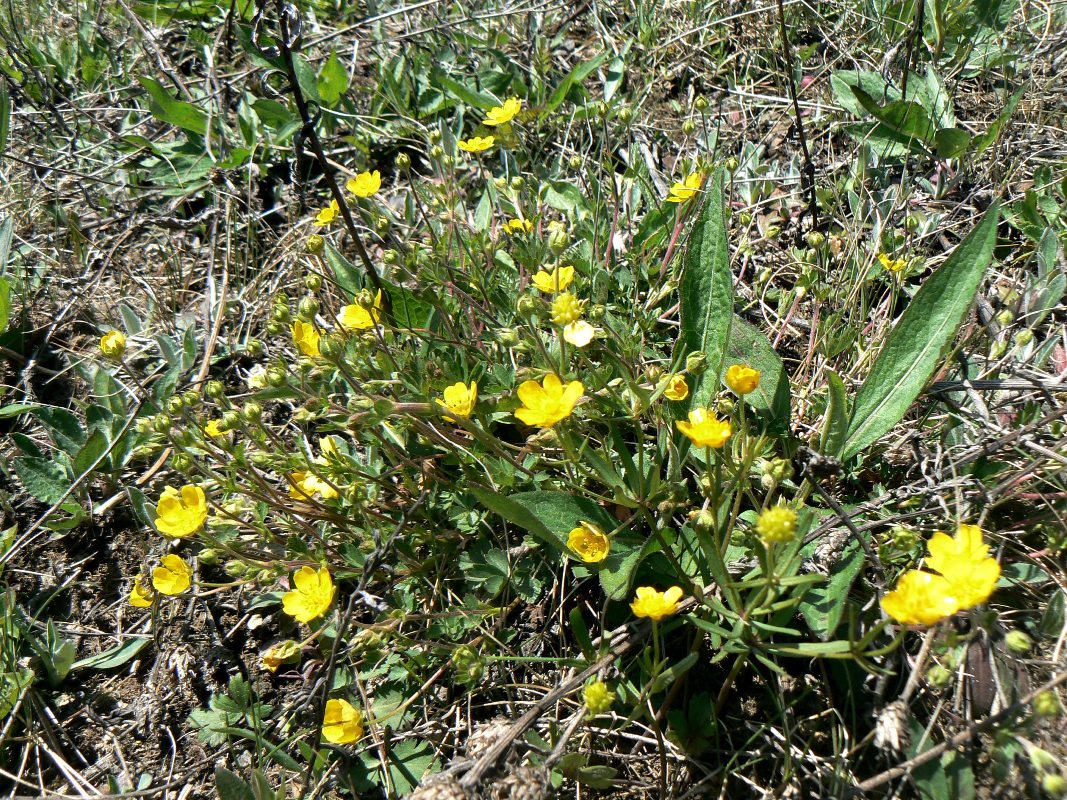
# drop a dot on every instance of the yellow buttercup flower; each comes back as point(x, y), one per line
point(654, 604)
point(518, 226)
point(742, 379)
point(546, 403)
point(555, 281)
point(328, 214)
point(680, 192)
point(342, 722)
point(476, 144)
point(567, 308)
point(141, 596)
point(328, 448)
point(173, 576)
point(355, 317)
point(113, 345)
point(285, 652)
point(598, 697)
point(459, 399)
point(589, 542)
point(892, 264)
point(579, 333)
point(214, 428)
point(964, 562)
point(920, 598)
point(677, 389)
point(365, 184)
point(777, 524)
point(306, 338)
point(500, 115)
point(181, 514)
point(312, 596)
point(305, 485)
point(704, 429)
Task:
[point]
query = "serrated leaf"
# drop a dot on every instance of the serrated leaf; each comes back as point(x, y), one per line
point(43, 478)
point(706, 291)
point(915, 347)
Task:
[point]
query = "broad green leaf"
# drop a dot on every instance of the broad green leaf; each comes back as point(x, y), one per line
point(407, 310)
point(64, 428)
point(903, 118)
point(43, 478)
point(951, 142)
point(915, 347)
point(748, 345)
point(466, 94)
point(873, 84)
point(333, 80)
point(707, 290)
point(94, 447)
point(613, 79)
point(984, 140)
point(179, 113)
point(836, 426)
point(564, 197)
point(575, 76)
point(824, 605)
point(115, 656)
point(231, 787)
point(347, 275)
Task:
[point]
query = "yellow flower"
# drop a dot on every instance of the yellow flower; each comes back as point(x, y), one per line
point(742, 379)
point(567, 308)
point(518, 226)
point(654, 604)
point(342, 723)
point(113, 344)
point(598, 697)
point(328, 214)
point(920, 598)
point(547, 403)
point(459, 399)
point(555, 281)
point(579, 333)
point(305, 485)
point(476, 144)
point(214, 428)
point(777, 524)
point(365, 184)
point(306, 338)
point(892, 264)
point(312, 596)
point(677, 389)
point(355, 317)
point(705, 429)
point(964, 561)
point(499, 115)
point(173, 577)
point(328, 449)
point(286, 652)
point(589, 542)
point(181, 514)
point(141, 596)
point(680, 192)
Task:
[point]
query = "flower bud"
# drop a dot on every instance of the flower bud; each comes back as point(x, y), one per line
point(251, 412)
point(468, 664)
point(526, 306)
point(312, 282)
point(391, 257)
point(280, 313)
point(314, 244)
point(1054, 785)
point(696, 363)
point(1023, 338)
point(235, 568)
point(704, 520)
point(1047, 705)
point(773, 231)
point(143, 426)
point(162, 423)
point(701, 103)
point(815, 239)
point(254, 347)
point(1018, 642)
point(230, 421)
point(689, 127)
point(574, 162)
point(508, 337)
point(175, 406)
point(402, 161)
point(938, 676)
point(209, 557)
point(731, 163)
point(382, 224)
point(309, 307)
point(276, 328)
point(113, 345)
point(435, 135)
point(276, 377)
point(517, 183)
point(625, 115)
point(912, 222)
point(331, 346)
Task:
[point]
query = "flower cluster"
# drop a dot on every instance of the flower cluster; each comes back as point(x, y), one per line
point(967, 577)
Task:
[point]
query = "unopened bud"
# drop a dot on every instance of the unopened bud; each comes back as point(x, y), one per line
point(403, 161)
point(1047, 705)
point(815, 239)
point(731, 163)
point(1018, 642)
point(689, 127)
point(309, 307)
point(696, 363)
point(314, 244)
point(526, 306)
point(701, 103)
point(938, 676)
point(575, 162)
point(517, 183)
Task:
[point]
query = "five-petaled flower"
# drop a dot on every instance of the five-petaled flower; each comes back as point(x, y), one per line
point(173, 576)
point(546, 403)
point(365, 184)
point(328, 214)
point(355, 317)
point(181, 514)
point(312, 596)
point(518, 226)
point(742, 379)
point(920, 598)
point(214, 428)
point(459, 399)
point(704, 429)
point(306, 338)
point(964, 562)
point(579, 333)
point(589, 542)
point(342, 722)
point(892, 264)
point(500, 115)
point(304, 485)
point(141, 596)
point(654, 604)
point(113, 345)
point(476, 144)
point(680, 192)
point(677, 389)
point(555, 281)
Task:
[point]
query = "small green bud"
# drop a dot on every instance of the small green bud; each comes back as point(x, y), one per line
point(437, 151)
point(526, 306)
point(602, 110)
point(275, 328)
point(696, 363)
point(312, 282)
point(1023, 338)
point(689, 127)
point(162, 423)
point(912, 222)
point(447, 160)
point(773, 231)
point(364, 299)
point(254, 347)
point(309, 307)
point(625, 115)
point(938, 676)
point(181, 462)
point(500, 182)
point(1005, 318)
point(280, 313)
point(701, 103)
point(251, 412)
point(1054, 785)
point(391, 257)
point(574, 162)
point(403, 161)
point(261, 458)
point(230, 421)
point(731, 164)
point(143, 426)
point(508, 337)
point(208, 556)
point(517, 183)
point(596, 312)
point(191, 399)
point(235, 568)
point(314, 244)
point(815, 239)
point(704, 520)
point(468, 664)
point(175, 406)
point(382, 224)
point(653, 373)
point(1047, 705)
point(1018, 642)
point(744, 217)
point(998, 349)
point(331, 346)
point(276, 377)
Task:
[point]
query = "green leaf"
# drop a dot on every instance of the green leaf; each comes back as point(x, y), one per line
point(5, 303)
point(346, 274)
point(466, 94)
point(575, 76)
point(95, 447)
point(983, 141)
point(407, 310)
point(43, 478)
point(873, 84)
point(7, 230)
point(64, 428)
point(613, 79)
point(409, 761)
point(5, 117)
point(333, 80)
point(835, 429)
point(115, 656)
point(231, 787)
point(174, 112)
point(904, 120)
point(706, 291)
point(823, 606)
point(915, 347)
point(748, 345)
point(952, 142)
point(564, 197)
